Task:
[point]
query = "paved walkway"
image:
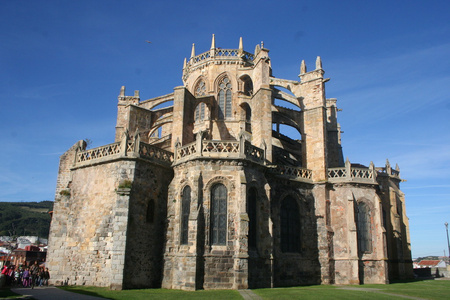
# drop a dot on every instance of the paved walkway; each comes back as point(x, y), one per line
point(372, 290)
point(51, 293)
point(249, 295)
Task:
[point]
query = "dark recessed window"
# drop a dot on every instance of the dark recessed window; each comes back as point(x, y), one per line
point(290, 225)
point(363, 227)
point(185, 209)
point(219, 214)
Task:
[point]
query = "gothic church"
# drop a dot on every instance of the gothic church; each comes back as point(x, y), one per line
point(203, 189)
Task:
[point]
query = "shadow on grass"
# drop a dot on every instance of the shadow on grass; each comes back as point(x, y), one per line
point(8, 294)
point(81, 290)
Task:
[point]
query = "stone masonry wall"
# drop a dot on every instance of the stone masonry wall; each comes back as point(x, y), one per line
point(352, 267)
point(222, 264)
point(88, 231)
point(146, 226)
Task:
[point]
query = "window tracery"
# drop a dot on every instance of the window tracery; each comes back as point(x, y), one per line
point(225, 98)
point(200, 89)
point(364, 227)
point(218, 214)
point(200, 112)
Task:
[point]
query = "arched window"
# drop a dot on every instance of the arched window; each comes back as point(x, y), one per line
point(225, 98)
point(185, 209)
point(200, 112)
point(364, 228)
point(247, 85)
point(252, 215)
point(290, 225)
point(200, 89)
point(150, 211)
point(218, 214)
point(248, 116)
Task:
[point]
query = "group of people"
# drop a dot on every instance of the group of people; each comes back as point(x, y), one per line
point(26, 276)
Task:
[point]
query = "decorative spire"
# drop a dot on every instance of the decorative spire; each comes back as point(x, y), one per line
point(213, 42)
point(184, 63)
point(318, 63)
point(193, 51)
point(303, 67)
point(122, 91)
point(241, 45)
point(257, 49)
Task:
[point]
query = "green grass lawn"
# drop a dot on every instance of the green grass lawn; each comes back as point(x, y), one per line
point(427, 289)
point(153, 293)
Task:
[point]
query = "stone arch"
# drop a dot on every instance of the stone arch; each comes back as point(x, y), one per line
point(202, 92)
point(364, 220)
point(290, 223)
point(219, 79)
point(186, 200)
point(246, 85)
point(246, 116)
point(208, 199)
point(224, 93)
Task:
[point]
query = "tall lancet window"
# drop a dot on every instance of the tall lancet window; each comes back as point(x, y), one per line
point(252, 216)
point(219, 214)
point(225, 98)
point(200, 91)
point(290, 225)
point(364, 228)
point(185, 209)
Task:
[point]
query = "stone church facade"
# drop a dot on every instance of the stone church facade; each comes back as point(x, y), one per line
point(203, 189)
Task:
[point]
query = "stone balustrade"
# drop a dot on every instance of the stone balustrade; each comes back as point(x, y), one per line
point(221, 53)
point(125, 148)
point(217, 149)
point(293, 173)
point(352, 174)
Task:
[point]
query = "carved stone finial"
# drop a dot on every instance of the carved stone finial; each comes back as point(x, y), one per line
point(318, 63)
point(257, 49)
point(122, 91)
point(213, 42)
point(303, 67)
point(193, 50)
point(387, 163)
point(397, 168)
point(136, 94)
point(241, 45)
point(262, 44)
point(184, 63)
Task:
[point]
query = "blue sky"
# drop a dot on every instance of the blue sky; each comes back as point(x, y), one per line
point(63, 63)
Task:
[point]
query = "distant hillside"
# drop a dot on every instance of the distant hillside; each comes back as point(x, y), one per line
point(25, 218)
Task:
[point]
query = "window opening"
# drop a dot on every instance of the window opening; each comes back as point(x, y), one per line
point(219, 214)
point(363, 228)
point(200, 112)
point(252, 215)
point(290, 225)
point(185, 209)
point(225, 98)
